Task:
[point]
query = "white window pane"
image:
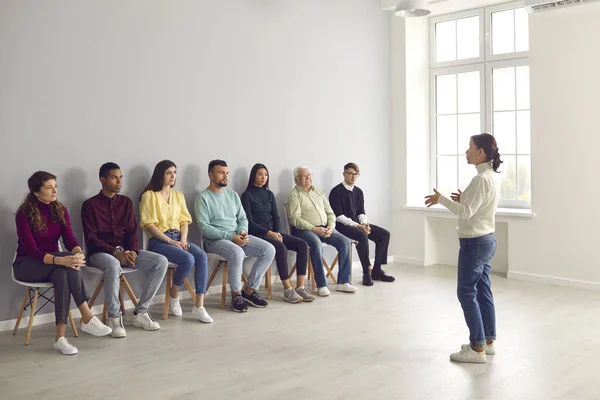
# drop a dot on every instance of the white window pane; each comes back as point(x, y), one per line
point(468, 125)
point(503, 32)
point(469, 95)
point(503, 89)
point(523, 133)
point(524, 178)
point(467, 38)
point(447, 174)
point(523, 88)
point(521, 30)
point(446, 94)
point(505, 131)
point(466, 172)
point(445, 41)
point(508, 186)
point(446, 134)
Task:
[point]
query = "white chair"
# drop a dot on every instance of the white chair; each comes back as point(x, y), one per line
point(168, 278)
point(124, 283)
point(32, 293)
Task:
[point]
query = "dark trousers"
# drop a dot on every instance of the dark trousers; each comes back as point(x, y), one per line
point(67, 282)
point(380, 236)
point(281, 248)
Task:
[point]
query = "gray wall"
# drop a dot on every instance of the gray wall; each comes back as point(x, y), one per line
point(283, 82)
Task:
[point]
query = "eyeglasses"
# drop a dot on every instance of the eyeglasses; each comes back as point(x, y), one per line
point(352, 174)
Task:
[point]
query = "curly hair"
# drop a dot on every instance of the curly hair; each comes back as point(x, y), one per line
point(30, 204)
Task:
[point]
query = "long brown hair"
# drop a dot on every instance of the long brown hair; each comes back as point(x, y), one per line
point(157, 180)
point(30, 203)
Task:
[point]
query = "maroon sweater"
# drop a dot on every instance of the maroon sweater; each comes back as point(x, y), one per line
point(37, 244)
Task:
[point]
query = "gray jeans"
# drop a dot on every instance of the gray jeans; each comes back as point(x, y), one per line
point(234, 254)
point(154, 264)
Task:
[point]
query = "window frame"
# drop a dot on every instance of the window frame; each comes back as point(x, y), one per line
point(485, 64)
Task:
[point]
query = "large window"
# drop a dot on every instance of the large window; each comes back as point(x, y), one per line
point(480, 83)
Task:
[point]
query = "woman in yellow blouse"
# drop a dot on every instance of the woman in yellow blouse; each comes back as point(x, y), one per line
point(164, 215)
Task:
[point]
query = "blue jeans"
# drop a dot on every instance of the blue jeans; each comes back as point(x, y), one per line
point(155, 265)
point(337, 240)
point(474, 288)
point(185, 260)
point(234, 254)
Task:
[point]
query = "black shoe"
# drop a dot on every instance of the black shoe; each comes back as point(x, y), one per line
point(254, 299)
point(238, 304)
point(367, 280)
point(380, 275)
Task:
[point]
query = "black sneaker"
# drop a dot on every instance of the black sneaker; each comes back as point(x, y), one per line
point(254, 299)
point(367, 280)
point(380, 275)
point(238, 304)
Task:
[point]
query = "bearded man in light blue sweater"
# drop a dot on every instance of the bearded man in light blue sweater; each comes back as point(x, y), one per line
point(224, 226)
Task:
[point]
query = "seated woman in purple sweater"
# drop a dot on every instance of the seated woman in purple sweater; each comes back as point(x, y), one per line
point(41, 221)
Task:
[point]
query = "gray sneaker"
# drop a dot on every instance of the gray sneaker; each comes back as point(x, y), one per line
point(291, 296)
point(306, 295)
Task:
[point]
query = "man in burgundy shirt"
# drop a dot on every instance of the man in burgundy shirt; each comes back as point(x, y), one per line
point(110, 230)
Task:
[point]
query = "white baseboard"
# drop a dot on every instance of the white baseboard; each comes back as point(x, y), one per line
point(551, 280)
point(97, 309)
point(419, 262)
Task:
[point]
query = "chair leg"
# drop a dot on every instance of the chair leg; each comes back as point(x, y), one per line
point(128, 290)
point(224, 288)
point(96, 293)
point(73, 325)
point(21, 311)
point(190, 289)
point(31, 316)
point(330, 269)
point(169, 283)
point(121, 301)
point(293, 270)
point(105, 311)
point(268, 285)
point(212, 276)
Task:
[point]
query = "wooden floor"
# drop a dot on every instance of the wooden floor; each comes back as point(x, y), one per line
point(390, 341)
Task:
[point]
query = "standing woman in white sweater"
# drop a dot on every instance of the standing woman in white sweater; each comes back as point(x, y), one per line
point(476, 209)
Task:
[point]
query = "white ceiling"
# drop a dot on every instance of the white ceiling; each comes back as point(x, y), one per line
point(446, 6)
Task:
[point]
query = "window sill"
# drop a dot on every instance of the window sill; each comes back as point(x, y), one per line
point(443, 212)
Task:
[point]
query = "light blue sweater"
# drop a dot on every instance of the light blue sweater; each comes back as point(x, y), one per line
point(220, 215)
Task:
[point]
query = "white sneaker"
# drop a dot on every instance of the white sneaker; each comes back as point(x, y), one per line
point(201, 314)
point(468, 355)
point(95, 327)
point(323, 291)
point(490, 349)
point(346, 287)
point(145, 321)
point(116, 324)
point(175, 307)
point(63, 345)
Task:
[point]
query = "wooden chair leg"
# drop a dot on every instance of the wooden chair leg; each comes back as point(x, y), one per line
point(190, 289)
point(73, 325)
point(330, 269)
point(105, 311)
point(121, 301)
point(224, 288)
point(212, 276)
point(268, 285)
point(168, 292)
point(294, 270)
point(128, 290)
point(31, 316)
point(311, 273)
point(21, 311)
point(98, 289)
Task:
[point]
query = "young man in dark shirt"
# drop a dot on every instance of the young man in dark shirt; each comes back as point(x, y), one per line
point(110, 231)
point(348, 204)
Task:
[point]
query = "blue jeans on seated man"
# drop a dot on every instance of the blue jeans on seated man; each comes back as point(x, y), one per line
point(235, 254)
point(341, 243)
point(474, 288)
point(153, 264)
point(185, 260)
